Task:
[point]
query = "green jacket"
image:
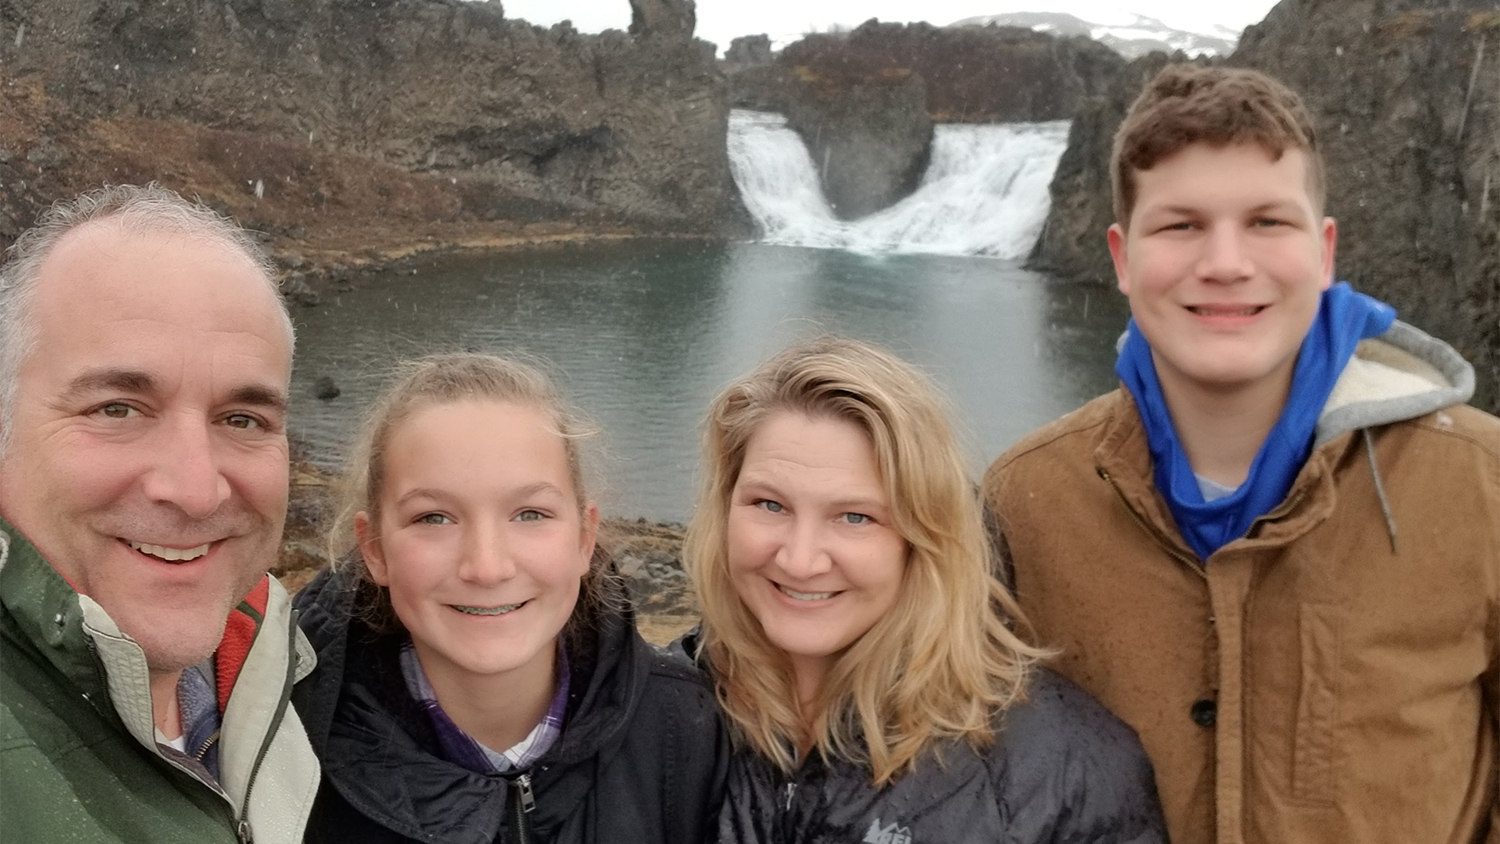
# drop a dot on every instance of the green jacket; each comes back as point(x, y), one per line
point(78, 755)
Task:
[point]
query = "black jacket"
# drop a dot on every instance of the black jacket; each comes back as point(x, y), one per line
point(642, 757)
point(1062, 770)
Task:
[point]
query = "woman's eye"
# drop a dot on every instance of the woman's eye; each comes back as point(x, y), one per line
point(769, 506)
point(434, 519)
point(855, 518)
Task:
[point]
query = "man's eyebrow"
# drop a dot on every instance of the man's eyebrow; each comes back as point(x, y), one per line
point(256, 395)
point(121, 380)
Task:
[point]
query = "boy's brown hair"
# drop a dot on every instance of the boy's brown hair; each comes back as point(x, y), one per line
point(1187, 104)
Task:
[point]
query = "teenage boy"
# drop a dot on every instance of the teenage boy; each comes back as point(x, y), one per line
point(1275, 551)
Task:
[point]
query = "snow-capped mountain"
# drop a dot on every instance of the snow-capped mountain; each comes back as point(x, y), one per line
point(1129, 34)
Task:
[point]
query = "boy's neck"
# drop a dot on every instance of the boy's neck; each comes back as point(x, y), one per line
point(1221, 431)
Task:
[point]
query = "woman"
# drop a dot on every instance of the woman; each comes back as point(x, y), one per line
point(479, 676)
point(862, 649)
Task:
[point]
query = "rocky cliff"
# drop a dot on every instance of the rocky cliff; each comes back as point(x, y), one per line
point(313, 105)
point(1406, 97)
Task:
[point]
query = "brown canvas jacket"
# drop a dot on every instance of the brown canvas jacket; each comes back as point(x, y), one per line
point(1331, 676)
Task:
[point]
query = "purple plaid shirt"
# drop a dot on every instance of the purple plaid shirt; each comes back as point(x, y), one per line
point(460, 748)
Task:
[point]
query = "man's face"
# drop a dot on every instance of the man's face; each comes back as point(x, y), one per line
point(148, 462)
point(1224, 263)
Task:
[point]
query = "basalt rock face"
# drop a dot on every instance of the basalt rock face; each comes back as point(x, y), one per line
point(1406, 99)
point(971, 74)
point(870, 139)
point(516, 119)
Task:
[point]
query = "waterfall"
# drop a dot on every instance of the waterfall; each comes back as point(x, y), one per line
point(984, 192)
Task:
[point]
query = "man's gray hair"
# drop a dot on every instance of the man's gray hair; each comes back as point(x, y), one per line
point(136, 209)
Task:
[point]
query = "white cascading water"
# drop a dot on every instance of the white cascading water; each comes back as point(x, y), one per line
point(984, 192)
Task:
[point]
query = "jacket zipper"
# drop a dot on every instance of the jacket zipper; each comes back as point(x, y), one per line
point(1190, 562)
point(523, 805)
point(243, 827)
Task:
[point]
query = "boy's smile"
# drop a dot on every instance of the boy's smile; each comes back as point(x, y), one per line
point(1224, 262)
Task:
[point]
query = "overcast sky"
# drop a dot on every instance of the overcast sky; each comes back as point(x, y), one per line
point(721, 20)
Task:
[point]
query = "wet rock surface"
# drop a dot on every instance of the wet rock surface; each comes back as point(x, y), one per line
point(1406, 99)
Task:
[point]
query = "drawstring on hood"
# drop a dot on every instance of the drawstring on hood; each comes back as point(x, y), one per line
point(1385, 503)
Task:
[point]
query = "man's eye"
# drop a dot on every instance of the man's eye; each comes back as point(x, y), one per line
point(243, 421)
point(117, 410)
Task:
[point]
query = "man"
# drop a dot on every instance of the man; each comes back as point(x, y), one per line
point(146, 658)
point(1275, 551)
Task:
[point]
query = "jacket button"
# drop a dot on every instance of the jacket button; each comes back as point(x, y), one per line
point(1205, 713)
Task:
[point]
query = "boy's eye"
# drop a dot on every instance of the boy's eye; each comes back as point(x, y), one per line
point(768, 505)
point(855, 518)
point(434, 519)
point(1267, 222)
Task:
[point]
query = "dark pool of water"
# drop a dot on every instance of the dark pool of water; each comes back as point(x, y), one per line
point(642, 334)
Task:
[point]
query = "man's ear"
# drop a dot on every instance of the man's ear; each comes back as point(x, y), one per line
point(369, 546)
point(1116, 237)
point(1330, 242)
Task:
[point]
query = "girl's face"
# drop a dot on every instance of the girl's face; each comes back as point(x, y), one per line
point(479, 539)
point(812, 549)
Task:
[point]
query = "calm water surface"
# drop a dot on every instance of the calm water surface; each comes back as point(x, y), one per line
point(643, 334)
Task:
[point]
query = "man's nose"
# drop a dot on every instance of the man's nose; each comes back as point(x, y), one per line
point(187, 470)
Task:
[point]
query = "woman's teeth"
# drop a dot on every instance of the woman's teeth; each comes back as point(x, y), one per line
point(805, 596)
point(174, 555)
point(501, 610)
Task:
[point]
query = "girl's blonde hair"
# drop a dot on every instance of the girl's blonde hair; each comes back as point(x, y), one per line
point(944, 661)
point(447, 379)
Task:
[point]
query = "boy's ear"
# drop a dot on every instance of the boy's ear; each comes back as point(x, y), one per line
point(1330, 242)
point(1116, 237)
point(369, 546)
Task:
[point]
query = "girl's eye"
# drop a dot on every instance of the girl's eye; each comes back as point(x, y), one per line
point(530, 516)
point(769, 506)
point(855, 518)
point(434, 519)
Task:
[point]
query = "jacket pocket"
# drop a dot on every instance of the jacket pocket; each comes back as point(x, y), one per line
point(1317, 706)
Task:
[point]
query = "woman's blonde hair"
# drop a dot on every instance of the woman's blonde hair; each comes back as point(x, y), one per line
point(447, 379)
point(944, 661)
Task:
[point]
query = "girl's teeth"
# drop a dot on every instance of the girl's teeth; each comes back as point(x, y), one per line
point(805, 596)
point(488, 610)
point(174, 555)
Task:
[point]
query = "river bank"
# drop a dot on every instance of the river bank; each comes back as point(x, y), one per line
point(648, 555)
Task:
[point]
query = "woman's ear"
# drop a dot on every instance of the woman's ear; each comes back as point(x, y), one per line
point(368, 536)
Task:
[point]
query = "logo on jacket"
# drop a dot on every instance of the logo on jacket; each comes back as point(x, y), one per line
point(893, 834)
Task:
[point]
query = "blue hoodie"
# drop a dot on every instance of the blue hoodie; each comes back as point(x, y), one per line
point(1344, 318)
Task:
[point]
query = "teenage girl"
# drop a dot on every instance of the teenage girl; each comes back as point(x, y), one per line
point(479, 676)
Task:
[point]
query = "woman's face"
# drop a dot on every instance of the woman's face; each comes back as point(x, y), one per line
point(811, 547)
point(480, 539)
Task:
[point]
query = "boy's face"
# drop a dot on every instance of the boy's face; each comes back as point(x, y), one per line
point(1224, 262)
